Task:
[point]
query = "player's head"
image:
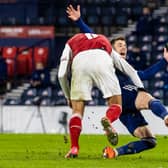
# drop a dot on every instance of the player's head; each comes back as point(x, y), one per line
point(119, 45)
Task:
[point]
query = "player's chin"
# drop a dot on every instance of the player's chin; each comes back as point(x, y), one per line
point(123, 56)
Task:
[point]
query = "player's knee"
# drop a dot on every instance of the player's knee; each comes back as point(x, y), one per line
point(150, 141)
point(142, 100)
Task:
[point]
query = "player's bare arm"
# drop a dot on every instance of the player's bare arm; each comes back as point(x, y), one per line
point(73, 14)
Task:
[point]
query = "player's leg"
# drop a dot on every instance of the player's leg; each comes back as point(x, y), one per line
point(145, 101)
point(81, 85)
point(146, 142)
point(115, 109)
point(159, 110)
point(113, 112)
point(136, 125)
point(106, 80)
point(75, 127)
point(133, 147)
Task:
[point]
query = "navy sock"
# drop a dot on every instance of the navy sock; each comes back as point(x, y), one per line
point(137, 146)
point(158, 108)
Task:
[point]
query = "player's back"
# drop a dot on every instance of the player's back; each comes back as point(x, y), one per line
point(82, 42)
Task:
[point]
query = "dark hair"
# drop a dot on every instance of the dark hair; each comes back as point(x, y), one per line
point(113, 40)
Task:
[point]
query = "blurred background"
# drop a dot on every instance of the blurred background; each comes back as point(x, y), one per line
point(33, 34)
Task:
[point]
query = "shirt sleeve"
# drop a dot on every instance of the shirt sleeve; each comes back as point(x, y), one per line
point(126, 68)
point(152, 70)
point(84, 28)
point(63, 71)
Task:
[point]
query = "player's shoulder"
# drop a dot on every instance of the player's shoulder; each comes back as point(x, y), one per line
point(75, 37)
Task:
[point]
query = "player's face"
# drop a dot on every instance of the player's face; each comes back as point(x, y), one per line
point(120, 46)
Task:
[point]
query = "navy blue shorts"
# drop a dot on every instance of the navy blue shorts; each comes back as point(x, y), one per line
point(133, 120)
point(129, 94)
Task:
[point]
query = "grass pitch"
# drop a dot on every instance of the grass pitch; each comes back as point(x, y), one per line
point(47, 151)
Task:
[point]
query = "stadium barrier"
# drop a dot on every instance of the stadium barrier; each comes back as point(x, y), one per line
point(32, 119)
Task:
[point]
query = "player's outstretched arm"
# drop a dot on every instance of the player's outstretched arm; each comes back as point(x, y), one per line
point(75, 15)
point(152, 70)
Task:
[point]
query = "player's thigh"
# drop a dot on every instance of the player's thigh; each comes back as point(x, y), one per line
point(81, 86)
point(129, 94)
point(106, 80)
point(132, 120)
point(81, 81)
point(142, 100)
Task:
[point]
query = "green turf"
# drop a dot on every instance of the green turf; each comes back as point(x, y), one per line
point(47, 151)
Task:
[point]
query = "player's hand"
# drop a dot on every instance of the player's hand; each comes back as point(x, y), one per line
point(73, 14)
point(165, 54)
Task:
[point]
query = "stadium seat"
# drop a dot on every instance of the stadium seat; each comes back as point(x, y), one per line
point(108, 11)
point(31, 92)
point(9, 52)
point(145, 39)
point(93, 20)
point(131, 39)
point(161, 39)
point(159, 47)
point(159, 84)
point(158, 93)
point(28, 102)
point(161, 30)
point(146, 47)
point(24, 61)
point(46, 92)
point(46, 102)
point(121, 20)
point(61, 18)
point(10, 101)
point(10, 67)
point(107, 20)
point(162, 20)
point(41, 55)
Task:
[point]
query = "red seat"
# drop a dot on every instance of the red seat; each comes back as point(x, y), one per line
point(24, 61)
point(10, 67)
point(9, 52)
point(41, 54)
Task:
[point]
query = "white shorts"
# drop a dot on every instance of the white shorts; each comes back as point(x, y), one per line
point(93, 68)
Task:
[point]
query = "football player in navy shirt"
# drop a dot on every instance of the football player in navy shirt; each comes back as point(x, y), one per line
point(132, 100)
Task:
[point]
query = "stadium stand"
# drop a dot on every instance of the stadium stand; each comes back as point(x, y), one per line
point(106, 17)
